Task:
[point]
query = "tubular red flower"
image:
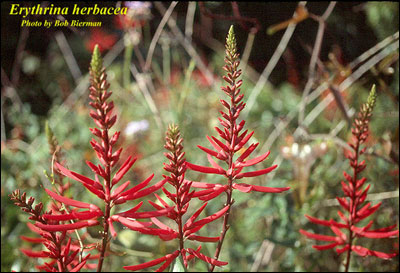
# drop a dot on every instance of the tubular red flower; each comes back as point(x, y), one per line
point(256, 173)
point(84, 215)
point(71, 202)
point(78, 177)
point(123, 170)
point(170, 257)
point(318, 237)
point(206, 258)
point(204, 169)
point(65, 227)
point(35, 254)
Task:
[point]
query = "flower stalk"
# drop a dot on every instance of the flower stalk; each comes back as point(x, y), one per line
point(233, 139)
point(354, 205)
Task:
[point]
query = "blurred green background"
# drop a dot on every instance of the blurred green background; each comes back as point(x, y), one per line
point(45, 77)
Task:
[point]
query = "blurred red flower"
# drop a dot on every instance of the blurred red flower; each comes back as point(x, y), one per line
point(103, 39)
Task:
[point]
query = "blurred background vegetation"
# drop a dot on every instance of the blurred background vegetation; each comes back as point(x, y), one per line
point(44, 75)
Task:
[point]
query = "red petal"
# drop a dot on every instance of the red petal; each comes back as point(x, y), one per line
point(389, 228)
point(134, 225)
point(368, 212)
point(79, 266)
point(120, 189)
point(339, 233)
point(208, 151)
point(216, 147)
point(147, 191)
point(202, 193)
point(76, 176)
point(151, 263)
point(214, 194)
point(242, 187)
point(35, 254)
point(253, 161)
point(318, 237)
point(343, 249)
point(203, 185)
point(343, 202)
point(325, 247)
point(256, 173)
point(214, 164)
point(32, 240)
point(84, 215)
point(132, 210)
point(71, 202)
point(146, 214)
point(206, 258)
point(243, 141)
point(123, 170)
point(139, 186)
point(170, 258)
point(161, 225)
point(198, 238)
point(325, 222)
point(207, 220)
point(269, 189)
point(65, 227)
point(220, 144)
point(373, 234)
point(194, 216)
point(112, 229)
point(204, 169)
point(362, 251)
point(248, 151)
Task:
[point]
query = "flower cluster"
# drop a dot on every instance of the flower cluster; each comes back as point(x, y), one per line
point(62, 252)
point(353, 204)
point(232, 141)
point(102, 185)
point(181, 197)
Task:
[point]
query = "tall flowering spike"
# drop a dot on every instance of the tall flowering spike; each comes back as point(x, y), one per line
point(353, 204)
point(232, 140)
point(181, 198)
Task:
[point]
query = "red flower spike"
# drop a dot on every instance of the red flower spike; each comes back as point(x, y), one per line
point(62, 219)
point(231, 144)
point(181, 198)
point(354, 204)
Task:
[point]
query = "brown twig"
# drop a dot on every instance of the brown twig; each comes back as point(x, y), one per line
point(270, 66)
point(236, 17)
point(314, 57)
